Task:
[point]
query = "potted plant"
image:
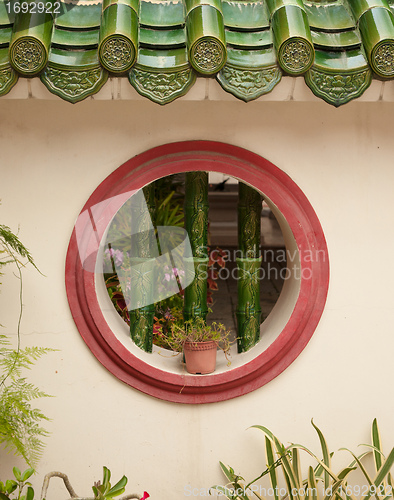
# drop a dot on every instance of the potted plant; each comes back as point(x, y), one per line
point(199, 343)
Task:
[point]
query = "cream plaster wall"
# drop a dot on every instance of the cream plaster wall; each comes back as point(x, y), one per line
point(54, 154)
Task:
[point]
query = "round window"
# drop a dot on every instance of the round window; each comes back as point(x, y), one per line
point(102, 242)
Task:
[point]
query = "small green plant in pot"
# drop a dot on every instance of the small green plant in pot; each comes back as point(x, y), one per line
point(199, 343)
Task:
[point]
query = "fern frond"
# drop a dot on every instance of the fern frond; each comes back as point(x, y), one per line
point(20, 429)
point(12, 245)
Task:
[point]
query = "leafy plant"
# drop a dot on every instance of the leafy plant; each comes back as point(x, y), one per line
point(17, 486)
point(164, 319)
point(102, 490)
point(196, 330)
point(20, 423)
point(321, 480)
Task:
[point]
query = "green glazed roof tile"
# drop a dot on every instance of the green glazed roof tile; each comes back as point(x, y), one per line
point(4, 60)
point(79, 16)
point(256, 39)
point(342, 38)
point(359, 7)
point(163, 59)
point(253, 59)
point(5, 35)
point(73, 59)
point(7, 15)
point(274, 5)
point(245, 16)
point(162, 14)
point(336, 41)
point(329, 17)
point(163, 38)
point(74, 38)
point(341, 62)
point(192, 4)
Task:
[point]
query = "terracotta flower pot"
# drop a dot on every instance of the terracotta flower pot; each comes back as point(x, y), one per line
point(200, 357)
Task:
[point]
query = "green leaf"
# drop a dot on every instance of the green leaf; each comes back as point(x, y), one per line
point(27, 473)
point(312, 485)
point(326, 454)
point(282, 451)
point(10, 486)
point(382, 473)
point(288, 485)
point(319, 469)
point(324, 466)
point(229, 473)
point(270, 462)
point(106, 475)
point(376, 441)
point(332, 490)
point(225, 491)
point(30, 493)
point(4, 497)
point(17, 473)
point(118, 488)
point(297, 470)
point(361, 466)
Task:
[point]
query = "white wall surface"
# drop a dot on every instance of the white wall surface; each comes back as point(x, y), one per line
point(54, 154)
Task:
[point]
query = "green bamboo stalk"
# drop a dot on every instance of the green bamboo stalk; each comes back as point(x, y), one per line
point(196, 225)
point(142, 270)
point(248, 310)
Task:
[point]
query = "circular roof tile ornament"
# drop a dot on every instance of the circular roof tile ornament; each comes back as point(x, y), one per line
point(28, 55)
point(382, 58)
point(208, 56)
point(296, 56)
point(117, 54)
point(206, 38)
point(150, 373)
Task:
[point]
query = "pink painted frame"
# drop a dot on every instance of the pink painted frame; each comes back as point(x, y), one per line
point(307, 231)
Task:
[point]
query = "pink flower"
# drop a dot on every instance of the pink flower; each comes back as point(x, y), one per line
point(145, 495)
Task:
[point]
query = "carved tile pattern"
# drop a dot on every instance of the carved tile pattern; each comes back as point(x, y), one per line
point(28, 55)
point(338, 89)
point(249, 84)
point(296, 56)
point(8, 78)
point(383, 59)
point(73, 85)
point(117, 54)
point(161, 87)
point(208, 55)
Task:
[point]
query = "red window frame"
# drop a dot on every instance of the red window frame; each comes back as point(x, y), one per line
point(303, 222)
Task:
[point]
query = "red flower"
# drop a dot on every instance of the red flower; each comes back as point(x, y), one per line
point(145, 495)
